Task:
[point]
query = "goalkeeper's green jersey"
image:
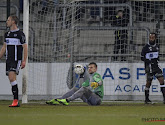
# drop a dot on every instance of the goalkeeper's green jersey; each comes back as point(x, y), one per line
point(95, 77)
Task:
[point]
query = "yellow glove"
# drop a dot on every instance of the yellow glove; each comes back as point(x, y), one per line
point(94, 85)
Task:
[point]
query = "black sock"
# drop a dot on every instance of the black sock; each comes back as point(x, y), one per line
point(147, 94)
point(15, 91)
point(163, 91)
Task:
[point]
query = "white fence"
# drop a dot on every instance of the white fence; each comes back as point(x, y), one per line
point(122, 81)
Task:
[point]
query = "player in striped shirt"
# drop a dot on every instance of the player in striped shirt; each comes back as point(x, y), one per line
point(16, 54)
point(150, 56)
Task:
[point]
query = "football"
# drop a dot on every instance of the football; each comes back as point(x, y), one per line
point(79, 69)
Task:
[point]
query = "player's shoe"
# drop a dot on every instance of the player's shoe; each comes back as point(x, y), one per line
point(15, 103)
point(52, 102)
point(63, 101)
point(147, 101)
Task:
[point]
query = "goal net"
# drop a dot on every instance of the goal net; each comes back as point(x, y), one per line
point(111, 34)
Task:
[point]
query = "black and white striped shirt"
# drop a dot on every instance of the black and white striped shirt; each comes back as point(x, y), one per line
point(150, 55)
point(14, 40)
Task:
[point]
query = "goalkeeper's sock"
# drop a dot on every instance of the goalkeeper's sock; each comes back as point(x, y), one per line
point(15, 89)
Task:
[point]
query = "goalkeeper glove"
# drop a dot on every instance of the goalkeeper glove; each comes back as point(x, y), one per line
point(94, 85)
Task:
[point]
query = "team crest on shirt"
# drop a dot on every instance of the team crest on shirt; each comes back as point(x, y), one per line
point(150, 48)
point(15, 35)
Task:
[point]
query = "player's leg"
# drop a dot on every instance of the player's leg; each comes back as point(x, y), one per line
point(52, 102)
point(76, 87)
point(13, 82)
point(66, 95)
point(147, 90)
point(122, 49)
point(83, 91)
point(12, 69)
point(147, 87)
point(116, 46)
point(94, 99)
point(69, 93)
point(123, 45)
point(162, 87)
point(160, 78)
point(91, 98)
point(149, 78)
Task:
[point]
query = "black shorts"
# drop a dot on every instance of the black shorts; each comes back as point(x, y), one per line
point(13, 66)
point(157, 73)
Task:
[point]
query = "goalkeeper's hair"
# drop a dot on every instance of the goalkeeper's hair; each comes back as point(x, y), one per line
point(93, 63)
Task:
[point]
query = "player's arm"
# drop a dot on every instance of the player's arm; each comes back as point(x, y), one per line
point(143, 54)
point(86, 83)
point(3, 50)
point(25, 53)
point(158, 52)
point(25, 49)
point(98, 81)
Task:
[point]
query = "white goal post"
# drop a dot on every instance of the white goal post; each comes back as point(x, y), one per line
point(26, 32)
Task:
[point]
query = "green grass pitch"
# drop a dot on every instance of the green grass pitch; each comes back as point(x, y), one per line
point(77, 113)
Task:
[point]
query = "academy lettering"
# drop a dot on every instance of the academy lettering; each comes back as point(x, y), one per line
point(135, 88)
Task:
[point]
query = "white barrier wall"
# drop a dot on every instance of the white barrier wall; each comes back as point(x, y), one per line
point(119, 79)
point(127, 79)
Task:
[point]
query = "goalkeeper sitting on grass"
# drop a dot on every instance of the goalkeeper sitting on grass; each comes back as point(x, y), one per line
point(91, 91)
point(83, 76)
